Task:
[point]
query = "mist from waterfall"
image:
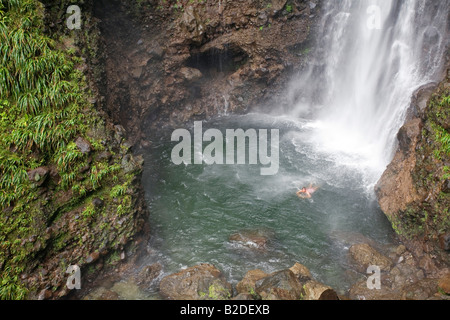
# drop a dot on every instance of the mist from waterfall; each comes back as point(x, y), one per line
point(369, 59)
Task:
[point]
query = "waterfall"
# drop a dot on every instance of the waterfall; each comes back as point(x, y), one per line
point(370, 57)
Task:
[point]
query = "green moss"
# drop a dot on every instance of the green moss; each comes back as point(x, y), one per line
point(216, 291)
point(431, 217)
point(113, 258)
point(44, 107)
point(10, 286)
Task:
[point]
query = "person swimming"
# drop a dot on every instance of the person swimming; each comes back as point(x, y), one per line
point(306, 193)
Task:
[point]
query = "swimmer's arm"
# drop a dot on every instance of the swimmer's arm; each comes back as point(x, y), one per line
point(303, 196)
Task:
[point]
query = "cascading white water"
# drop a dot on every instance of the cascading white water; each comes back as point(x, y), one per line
point(371, 56)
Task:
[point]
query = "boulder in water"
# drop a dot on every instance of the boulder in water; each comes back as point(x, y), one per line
point(200, 282)
point(248, 283)
point(281, 285)
point(254, 239)
point(363, 255)
point(315, 290)
point(300, 271)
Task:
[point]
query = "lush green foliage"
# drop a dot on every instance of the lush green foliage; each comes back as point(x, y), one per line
point(432, 217)
point(39, 100)
point(441, 114)
point(43, 109)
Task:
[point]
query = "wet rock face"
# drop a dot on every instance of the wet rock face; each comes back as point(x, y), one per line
point(408, 133)
point(194, 63)
point(413, 191)
point(396, 188)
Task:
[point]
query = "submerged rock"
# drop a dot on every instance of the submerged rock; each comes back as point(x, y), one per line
point(253, 239)
point(102, 293)
point(128, 290)
point(349, 238)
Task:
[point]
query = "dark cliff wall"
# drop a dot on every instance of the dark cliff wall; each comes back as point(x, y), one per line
point(169, 62)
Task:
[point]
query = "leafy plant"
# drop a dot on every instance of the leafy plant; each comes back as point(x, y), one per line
point(89, 211)
point(40, 115)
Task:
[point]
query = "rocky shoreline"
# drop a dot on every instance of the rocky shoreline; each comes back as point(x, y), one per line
point(402, 277)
